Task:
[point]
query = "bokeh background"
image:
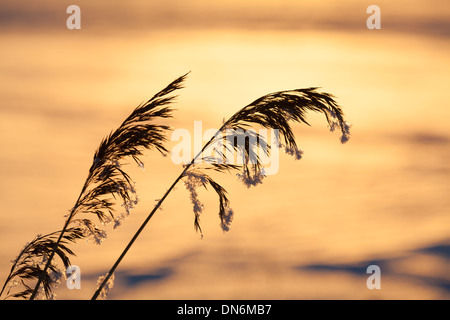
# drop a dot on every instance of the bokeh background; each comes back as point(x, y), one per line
point(308, 232)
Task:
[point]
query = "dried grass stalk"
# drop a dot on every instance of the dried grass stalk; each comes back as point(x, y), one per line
point(275, 110)
point(106, 186)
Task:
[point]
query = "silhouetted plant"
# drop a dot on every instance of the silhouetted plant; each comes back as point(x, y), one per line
point(107, 185)
point(33, 258)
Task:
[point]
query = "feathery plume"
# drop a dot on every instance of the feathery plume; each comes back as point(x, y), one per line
point(237, 134)
point(106, 289)
point(29, 264)
point(106, 186)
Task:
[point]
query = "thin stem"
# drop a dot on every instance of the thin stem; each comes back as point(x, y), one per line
point(12, 269)
point(138, 232)
point(47, 265)
point(141, 228)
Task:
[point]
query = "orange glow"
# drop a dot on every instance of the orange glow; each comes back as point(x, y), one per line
point(383, 196)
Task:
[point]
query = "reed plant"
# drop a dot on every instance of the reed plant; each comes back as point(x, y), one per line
point(35, 272)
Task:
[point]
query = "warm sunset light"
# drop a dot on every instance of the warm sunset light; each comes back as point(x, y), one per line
point(361, 211)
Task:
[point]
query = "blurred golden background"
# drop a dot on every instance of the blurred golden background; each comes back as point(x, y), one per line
point(308, 232)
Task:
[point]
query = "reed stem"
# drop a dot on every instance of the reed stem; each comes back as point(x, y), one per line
point(143, 225)
point(52, 255)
